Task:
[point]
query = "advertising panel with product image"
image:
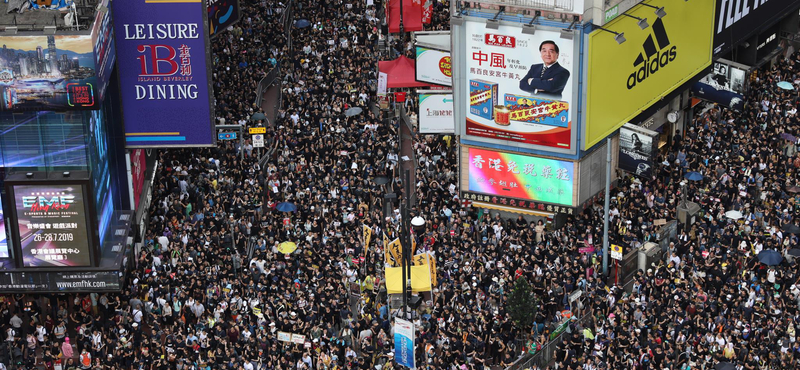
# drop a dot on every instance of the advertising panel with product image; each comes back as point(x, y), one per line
point(736, 20)
point(436, 113)
point(637, 146)
point(521, 177)
point(221, 15)
point(433, 66)
point(52, 225)
point(520, 86)
point(164, 73)
point(627, 78)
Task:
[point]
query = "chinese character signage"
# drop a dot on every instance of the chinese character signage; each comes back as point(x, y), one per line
point(52, 225)
point(637, 147)
point(436, 113)
point(163, 58)
point(433, 66)
point(520, 86)
point(99, 281)
point(48, 72)
point(521, 177)
point(221, 15)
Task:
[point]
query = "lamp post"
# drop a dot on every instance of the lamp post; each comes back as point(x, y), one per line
point(405, 239)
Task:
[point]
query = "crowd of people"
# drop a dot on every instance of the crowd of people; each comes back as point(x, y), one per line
point(197, 299)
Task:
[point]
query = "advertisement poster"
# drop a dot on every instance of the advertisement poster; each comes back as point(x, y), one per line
point(404, 343)
point(434, 66)
point(163, 59)
point(520, 86)
point(436, 114)
point(104, 52)
point(521, 176)
point(3, 236)
point(52, 224)
point(737, 20)
point(53, 72)
point(221, 15)
point(649, 65)
point(636, 150)
point(725, 85)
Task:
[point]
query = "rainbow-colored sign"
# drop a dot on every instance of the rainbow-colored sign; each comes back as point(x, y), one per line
point(521, 176)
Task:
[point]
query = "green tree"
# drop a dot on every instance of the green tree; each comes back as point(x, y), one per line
point(521, 304)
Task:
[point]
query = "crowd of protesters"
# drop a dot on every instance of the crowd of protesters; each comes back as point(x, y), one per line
point(197, 300)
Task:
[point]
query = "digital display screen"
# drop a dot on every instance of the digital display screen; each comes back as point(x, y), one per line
point(3, 239)
point(52, 224)
point(521, 176)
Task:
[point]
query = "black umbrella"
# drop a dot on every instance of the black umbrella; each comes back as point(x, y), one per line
point(794, 252)
point(381, 180)
point(770, 257)
point(725, 366)
point(791, 228)
point(793, 189)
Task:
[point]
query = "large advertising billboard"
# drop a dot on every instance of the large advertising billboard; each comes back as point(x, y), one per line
point(725, 85)
point(52, 225)
point(221, 15)
point(521, 177)
point(520, 86)
point(436, 113)
point(736, 20)
point(104, 52)
point(637, 146)
point(625, 79)
point(434, 66)
point(47, 72)
point(164, 62)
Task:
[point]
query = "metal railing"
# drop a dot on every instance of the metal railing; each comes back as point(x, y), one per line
point(546, 355)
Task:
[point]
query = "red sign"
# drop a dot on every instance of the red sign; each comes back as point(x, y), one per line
point(400, 97)
point(138, 164)
point(445, 66)
point(500, 40)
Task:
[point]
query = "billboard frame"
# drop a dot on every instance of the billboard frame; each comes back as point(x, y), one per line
point(459, 67)
point(82, 179)
point(209, 85)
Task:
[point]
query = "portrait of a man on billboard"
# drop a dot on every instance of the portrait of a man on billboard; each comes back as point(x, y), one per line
point(547, 78)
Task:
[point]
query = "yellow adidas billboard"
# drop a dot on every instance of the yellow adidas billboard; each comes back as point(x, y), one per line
point(625, 79)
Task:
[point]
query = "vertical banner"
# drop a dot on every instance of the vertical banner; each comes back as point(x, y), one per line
point(164, 72)
point(104, 51)
point(427, 11)
point(396, 251)
point(367, 232)
point(637, 147)
point(383, 80)
point(404, 343)
point(520, 86)
point(138, 167)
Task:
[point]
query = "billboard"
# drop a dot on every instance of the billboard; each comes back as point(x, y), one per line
point(97, 281)
point(138, 165)
point(164, 73)
point(736, 20)
point(625, 79)
point(725, 85)
point(521, 177)
point(520, 86)
point(637, 146)
point(52, 225)
point(433, 66)
point(221, 15)
point(4, 251)
point(104, 52)
point(436, 113)
point(47, 72)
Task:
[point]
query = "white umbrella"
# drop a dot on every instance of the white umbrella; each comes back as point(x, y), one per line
point(733, 215)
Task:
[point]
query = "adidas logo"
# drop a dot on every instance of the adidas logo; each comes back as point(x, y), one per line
point(653, 58)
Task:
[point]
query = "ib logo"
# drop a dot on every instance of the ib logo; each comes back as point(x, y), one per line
point(653, 58)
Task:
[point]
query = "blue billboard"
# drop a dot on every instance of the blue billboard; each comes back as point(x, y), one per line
point(104, 53)
point(164, 72)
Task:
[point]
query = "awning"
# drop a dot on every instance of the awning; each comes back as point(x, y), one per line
point(412, 15)
point(420, 279)
point(512, 209)
point(400, 72)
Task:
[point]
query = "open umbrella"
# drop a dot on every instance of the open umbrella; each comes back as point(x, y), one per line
point(794, 252)
point(693, 176)
point(770, 257)
point(793, 189)
point(381, 180)
point(791, 228)
point(733, 214)
point(788, 137)
point(353, 111)
point(287, 247)
point(286, 207)
point(302, 23)
point(258, 116)
point(725, 366)
point(785, 85)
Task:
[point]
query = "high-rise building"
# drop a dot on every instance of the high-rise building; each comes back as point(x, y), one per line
point(23, 65)
point(40, 62)
point(51, 55)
